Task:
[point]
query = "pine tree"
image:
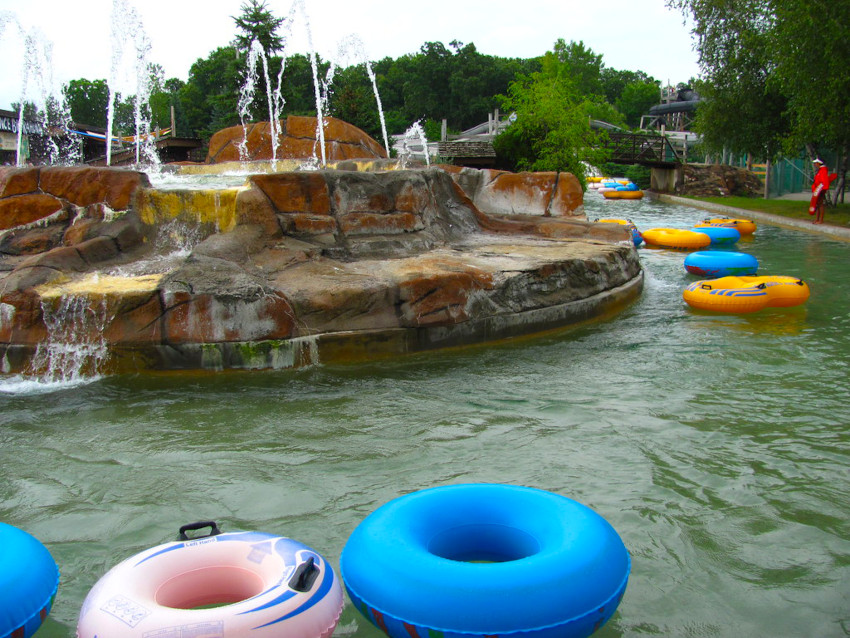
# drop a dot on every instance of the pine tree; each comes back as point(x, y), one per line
point(258, 23)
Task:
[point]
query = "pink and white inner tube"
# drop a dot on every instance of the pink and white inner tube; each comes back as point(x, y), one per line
point(223, 585)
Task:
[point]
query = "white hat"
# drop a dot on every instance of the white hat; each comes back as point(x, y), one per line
point(816, 161)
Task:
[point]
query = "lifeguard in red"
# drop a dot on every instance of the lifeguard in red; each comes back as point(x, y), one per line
point(819, 189)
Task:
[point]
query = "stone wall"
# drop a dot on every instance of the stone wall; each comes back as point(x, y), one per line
point(719, 180)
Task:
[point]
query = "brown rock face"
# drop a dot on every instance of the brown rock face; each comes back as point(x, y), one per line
point(18, 181)
point(83, 186)
point(20, 210)
point(503, 193)
point(298, 140)
point(332, 263)
point(32, 194)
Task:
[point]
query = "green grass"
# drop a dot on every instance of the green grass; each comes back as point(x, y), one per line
point(837, 215)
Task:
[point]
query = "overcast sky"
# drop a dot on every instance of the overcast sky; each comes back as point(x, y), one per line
point(630, 34)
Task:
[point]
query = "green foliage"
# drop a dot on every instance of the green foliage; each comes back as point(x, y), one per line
point(635, 100)
point(256, 22)
point(614, 82)
point(210, 97)
point(297, 85)
point(558, 93)
point(640, 175)
point(87, 101)
point(775, 73)
point(353, 100)
point(457, 83)
point(552, 127)
point(581, 64)
point(812, 56)
point(31, 111)
point(598, 109)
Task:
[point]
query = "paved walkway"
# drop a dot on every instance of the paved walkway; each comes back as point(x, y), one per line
point(836, 232)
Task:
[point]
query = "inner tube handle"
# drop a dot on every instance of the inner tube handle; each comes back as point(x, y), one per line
point(192, 527)
point(305, 575)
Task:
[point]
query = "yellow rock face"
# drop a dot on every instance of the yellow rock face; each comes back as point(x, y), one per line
point(101, 286)
point(216, 207)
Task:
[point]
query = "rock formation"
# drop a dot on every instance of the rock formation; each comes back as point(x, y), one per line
point(719, 180)
point(296, 267)
point(298, 139)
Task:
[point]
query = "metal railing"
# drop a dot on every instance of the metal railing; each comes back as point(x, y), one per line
point(647, 150)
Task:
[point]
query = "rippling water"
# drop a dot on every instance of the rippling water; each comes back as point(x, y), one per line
point(717, 446)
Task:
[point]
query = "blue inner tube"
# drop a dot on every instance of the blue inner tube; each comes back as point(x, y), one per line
point(721, 263)
point(637, 238)
point(720, 235)
point(485, 559)
point(29, 579)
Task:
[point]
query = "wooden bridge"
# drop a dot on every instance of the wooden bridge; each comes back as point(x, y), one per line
point(648, 150)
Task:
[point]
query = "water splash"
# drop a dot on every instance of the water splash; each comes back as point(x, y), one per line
point(257, 55)
point(75, 350)
point(351, 47)
point(38, 89)
point(127, 29)
point(299, 7)
point(416, 133)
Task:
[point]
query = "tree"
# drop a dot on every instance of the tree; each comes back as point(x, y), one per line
point(297, 88)
point(258, 23)
point(812, 55)
point(210, 96)
point(552, 127)
point(582, 64)
point(635, 100)
point(354, 101)
point(775, 74)
point(614, 82)
point(87, 101)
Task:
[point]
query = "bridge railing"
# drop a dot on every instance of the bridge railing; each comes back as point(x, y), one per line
point(648, 150)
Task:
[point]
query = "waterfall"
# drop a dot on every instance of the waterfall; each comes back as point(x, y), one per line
point(75, 349)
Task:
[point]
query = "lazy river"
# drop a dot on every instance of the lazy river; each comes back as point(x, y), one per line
point(716, 445)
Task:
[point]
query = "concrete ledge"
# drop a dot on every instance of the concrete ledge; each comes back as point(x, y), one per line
point(836, 232)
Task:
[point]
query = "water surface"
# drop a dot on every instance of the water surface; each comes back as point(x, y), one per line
point(717, 446)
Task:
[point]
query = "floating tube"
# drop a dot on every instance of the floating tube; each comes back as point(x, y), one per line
point(637, 238)
point(721, 263)
point(676, 238)
point(29, 579)
point(720, 235)
point(746, 294)
point(258, 584)
point(743, 226)
point(622, 194)
point(485, 560)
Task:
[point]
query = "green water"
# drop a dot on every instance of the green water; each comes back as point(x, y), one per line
point(717, 446)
